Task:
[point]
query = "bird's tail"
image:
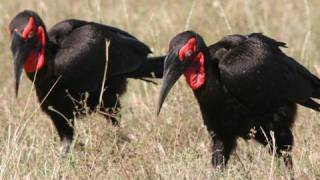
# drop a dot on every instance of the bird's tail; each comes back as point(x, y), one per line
point(151, 68)
point(309, 103)
point(316, 82)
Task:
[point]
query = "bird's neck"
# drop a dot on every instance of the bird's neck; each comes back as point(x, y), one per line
point(212, 79)
point(209, 71)
point(45, 69)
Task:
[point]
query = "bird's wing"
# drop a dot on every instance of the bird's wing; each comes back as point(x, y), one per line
point(259, 74)
point(61, 30)
point(81, 53)
point(221, 48)
point(126, 53)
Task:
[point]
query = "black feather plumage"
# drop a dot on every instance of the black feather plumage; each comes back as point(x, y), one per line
point(75, 63)
point(250, 86)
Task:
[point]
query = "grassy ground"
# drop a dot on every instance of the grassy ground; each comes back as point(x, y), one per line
point(174, 145)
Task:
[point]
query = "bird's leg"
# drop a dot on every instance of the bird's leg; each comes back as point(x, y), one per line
point(217, 154)
point(111, 107)
point(66, 143)
point(110, 113)
point(64, 128)
point(284, 143)
point(66, 135)
point(222, 148)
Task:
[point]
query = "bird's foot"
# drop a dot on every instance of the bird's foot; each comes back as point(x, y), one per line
point(218, 161)
point(114, 121)
point(66, 143)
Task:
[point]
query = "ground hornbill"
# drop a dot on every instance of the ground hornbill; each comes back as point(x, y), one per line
point(245, 86)
point(68, 66)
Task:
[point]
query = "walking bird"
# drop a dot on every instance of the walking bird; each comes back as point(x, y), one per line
point(68, 66)
point(243, 84)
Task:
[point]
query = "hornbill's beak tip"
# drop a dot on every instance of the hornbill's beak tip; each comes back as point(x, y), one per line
point(17, 82)
point(158, 111)
point(17, 74)
point(172, 71)
point(160, 102)
point(163, 94)
point(19, 50)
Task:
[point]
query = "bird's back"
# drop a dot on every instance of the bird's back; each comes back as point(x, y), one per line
point(81, 53)
point(260, 75)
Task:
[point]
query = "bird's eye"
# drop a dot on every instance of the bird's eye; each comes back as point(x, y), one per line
point(31, 35)
point(188, 53)
point(188, 49)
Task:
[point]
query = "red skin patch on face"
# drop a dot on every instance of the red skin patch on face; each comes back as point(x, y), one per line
point(195, 73)
point(29, 28)
point(190, 46)
point(35, 59)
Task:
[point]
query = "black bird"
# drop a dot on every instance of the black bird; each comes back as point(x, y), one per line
point(245, 86)
point(68, 66)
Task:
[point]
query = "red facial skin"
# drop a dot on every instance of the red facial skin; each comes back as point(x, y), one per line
point(29, 28)
point(35, 58)
point(195, 74)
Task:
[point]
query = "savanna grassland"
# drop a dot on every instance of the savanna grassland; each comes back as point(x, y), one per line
point(174, 145)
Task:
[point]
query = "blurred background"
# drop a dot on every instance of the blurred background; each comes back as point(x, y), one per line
point(174, 145)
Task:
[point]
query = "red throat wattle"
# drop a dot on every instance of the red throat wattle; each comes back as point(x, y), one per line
point(35, 59)
point(195, 73)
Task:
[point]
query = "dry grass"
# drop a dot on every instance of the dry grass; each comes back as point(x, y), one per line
point(174, 145)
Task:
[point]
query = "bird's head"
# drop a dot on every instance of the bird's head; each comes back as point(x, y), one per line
point(28, 39)
point(186, 56)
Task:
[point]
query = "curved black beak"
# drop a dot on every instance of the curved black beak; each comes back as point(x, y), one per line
point(20, 49)
point(173, 69)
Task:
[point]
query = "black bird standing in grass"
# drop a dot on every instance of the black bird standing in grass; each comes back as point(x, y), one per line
point(245, 86)
point(69, 62)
